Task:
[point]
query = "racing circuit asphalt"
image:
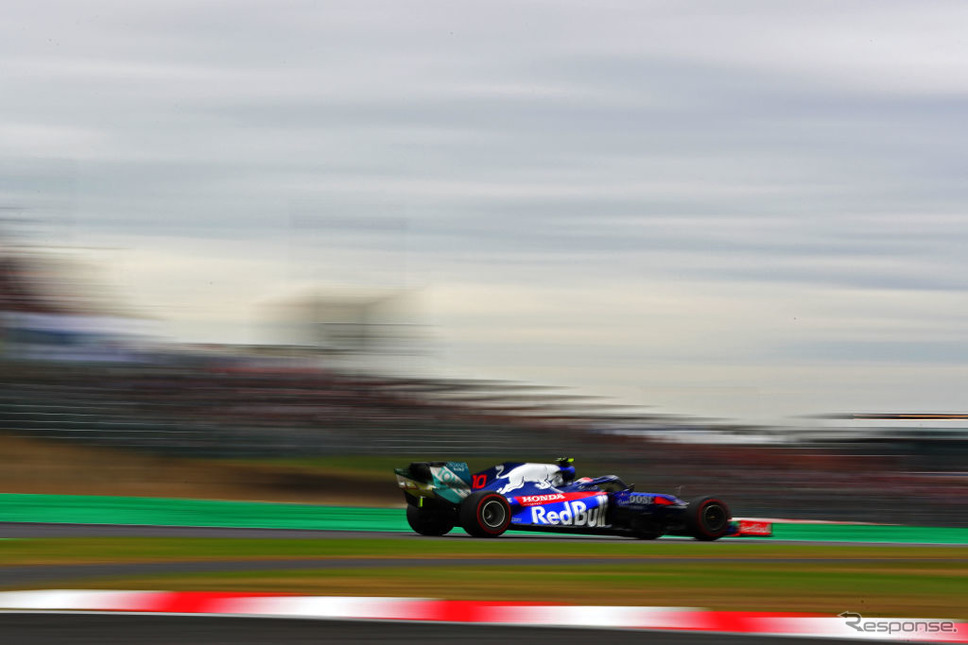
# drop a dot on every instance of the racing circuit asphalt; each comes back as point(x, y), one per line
point(52, 530)
point(98, 629)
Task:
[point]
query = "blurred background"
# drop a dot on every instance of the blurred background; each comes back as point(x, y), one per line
point(271, 252)
point(93, 401)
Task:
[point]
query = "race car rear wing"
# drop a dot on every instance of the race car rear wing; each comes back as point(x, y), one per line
point(448, 480)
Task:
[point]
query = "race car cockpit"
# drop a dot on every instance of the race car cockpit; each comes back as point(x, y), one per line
point(607, 483)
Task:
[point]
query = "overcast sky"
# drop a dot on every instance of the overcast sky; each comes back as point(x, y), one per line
point(742, 209)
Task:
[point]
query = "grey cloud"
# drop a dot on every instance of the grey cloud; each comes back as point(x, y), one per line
point(861, 351)
point(561, 142)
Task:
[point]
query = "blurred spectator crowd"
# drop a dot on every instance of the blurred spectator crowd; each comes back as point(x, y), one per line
point(221, 408)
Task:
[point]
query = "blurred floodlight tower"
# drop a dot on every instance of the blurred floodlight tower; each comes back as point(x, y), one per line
point(349, 328)
point(366, 316)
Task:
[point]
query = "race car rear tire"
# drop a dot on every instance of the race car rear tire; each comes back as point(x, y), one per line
point(485, 514)
point(707, 518)
point(430, 520)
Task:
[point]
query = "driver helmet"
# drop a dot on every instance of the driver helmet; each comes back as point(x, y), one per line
point(566, 466)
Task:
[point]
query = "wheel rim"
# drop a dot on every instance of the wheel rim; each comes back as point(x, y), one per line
point(714, 517)
point(493, 514)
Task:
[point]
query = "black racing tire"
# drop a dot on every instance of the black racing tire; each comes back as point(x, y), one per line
point(707, 518)
point(430, 519)
point(485, 514)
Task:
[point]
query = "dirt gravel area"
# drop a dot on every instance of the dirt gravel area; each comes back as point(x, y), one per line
point(57, 468)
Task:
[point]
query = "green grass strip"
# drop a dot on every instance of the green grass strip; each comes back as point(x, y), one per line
point(91, 509)
point(868, 533)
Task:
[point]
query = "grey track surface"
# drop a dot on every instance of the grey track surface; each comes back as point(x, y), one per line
point(53, 530)
point(98, 629)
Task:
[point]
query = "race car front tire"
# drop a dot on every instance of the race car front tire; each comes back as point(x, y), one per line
point(485, 514)
point(707, 518)
point(430, 520)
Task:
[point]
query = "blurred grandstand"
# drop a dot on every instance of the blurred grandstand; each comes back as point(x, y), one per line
point(77, 370)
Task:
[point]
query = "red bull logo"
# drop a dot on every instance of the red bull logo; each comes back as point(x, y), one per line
point(575, 513)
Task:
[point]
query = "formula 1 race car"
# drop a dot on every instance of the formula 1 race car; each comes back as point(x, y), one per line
point(547, 497)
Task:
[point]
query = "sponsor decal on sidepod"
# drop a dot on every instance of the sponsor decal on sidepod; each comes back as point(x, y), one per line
point(573, 513)
point(531, 500)
point(547, 498)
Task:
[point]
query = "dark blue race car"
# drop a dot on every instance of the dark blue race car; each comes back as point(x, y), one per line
point(547, 497)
